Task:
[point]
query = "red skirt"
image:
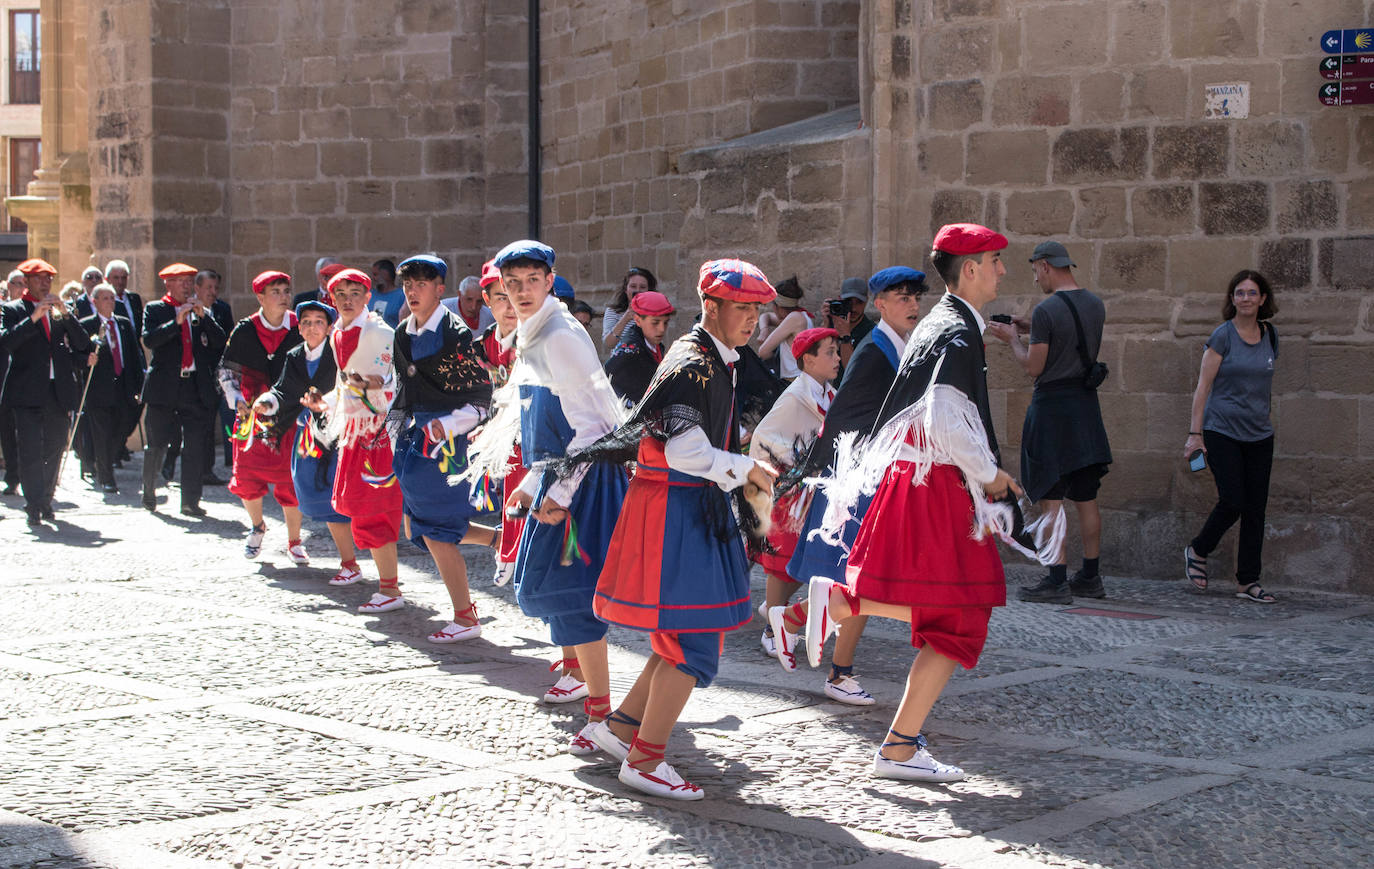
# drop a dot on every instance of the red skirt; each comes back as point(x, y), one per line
point(259, 467)
point(366, 491)
point(511, 528)
point(916, 545)
point(785, 533)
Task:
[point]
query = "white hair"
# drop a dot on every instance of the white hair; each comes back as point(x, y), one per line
point(100, 288)
point(15, 275)
point(92, 271)
point(470, 282)
point(114, 264)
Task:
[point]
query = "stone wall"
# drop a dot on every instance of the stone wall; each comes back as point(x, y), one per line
point(250, 135)
point(1085, 122)
point(629, 86)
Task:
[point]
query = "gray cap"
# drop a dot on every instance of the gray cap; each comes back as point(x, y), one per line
point(854, 288)
point(1055, 253)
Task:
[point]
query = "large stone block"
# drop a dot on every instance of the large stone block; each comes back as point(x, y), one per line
point(942, 159)
point(1278, 148)
point(1293, 28)
point(949, 10)
point(1191, 151)
point(1221, 28)
point(1040, 212)
point(1348, 263)
point(1139, 312)
point(1309, 425)
point(1101, 97)
point(1205, 266)
point(1304, 206)
point(954, 206)
point(1157, 365)
point(1342, 369)
point(955, 105)
point(957, 51)
point(395, 157)
point(343, 159)
point(1138, 32)
point(1163, 210)
point(1066, 35)
point(1171, 415)
point(369, 197)
point(1037, 101)
point(1287, 263)
point(1102, 212)
point(336, 234)
point(316, 198)
point(817, 182)
point(1158, 92)
point(1240, 208)
point(1126, 418)
point(396, 232)
point(428, 195)
point(1007, 157)
point(1099, 154)
point(1132, 265)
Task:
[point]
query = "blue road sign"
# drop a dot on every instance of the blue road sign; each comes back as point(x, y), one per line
point(1350, 41)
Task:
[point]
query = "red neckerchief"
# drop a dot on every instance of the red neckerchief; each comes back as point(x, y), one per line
point(271, 338)
point(187, 360)
point(345, 341)
point(47, 327)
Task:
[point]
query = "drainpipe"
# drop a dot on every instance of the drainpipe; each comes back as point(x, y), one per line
point(534, 190)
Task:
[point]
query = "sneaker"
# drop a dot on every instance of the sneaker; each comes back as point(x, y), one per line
point(1087, 586)
point(769, 644)
point(601, 733)
point(567, 689)
point(820, 623)
point(921, 767)
point(662, 782)
point(581, 745)
point(455, 633)
point(297, 552)
point(1046, 591)
point(345, 576)
point(252, 547)
point(848, 690)
point(382, 603)
point(784, 640)
point(503, 573)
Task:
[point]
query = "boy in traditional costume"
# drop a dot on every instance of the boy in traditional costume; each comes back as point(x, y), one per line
point(443, 392)
point(557, 400)
point(636, 357)
point(677, 566)
point(924, 553)
point(310, 367)
point(365, 488)
point(253, 360)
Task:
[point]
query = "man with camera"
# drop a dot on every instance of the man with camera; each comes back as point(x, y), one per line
point(1064, 449)
point(184, 342)
point(46, 346)
point(846, 316)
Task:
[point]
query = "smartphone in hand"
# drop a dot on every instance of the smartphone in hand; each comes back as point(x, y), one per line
point(1001, 318)
point(1197, 460)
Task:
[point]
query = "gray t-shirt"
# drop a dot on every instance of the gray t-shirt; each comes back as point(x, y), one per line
point(1052, 324)
point(1238, 406)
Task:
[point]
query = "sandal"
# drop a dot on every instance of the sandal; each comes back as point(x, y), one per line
point(1255, 592)
point(1195, 569)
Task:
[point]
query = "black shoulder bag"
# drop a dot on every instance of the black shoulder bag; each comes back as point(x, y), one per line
point(1094, 372)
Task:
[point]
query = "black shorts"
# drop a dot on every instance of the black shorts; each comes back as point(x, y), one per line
point(1079, 485)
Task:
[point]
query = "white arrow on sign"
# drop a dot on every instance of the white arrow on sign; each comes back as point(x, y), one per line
point(1332, 42)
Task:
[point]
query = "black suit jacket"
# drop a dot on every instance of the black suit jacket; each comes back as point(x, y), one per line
point(84, 310)
point(312, 295)
point(31, 351)
point(162, 336)
point(107, 390)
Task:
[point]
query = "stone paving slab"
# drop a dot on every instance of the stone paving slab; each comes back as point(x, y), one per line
point(1356, 765)
point(1184, 719)
point(160, 767)
point(514, 823)
point(1057, 630)
point(26, 695)
point(96, 610)
point(1327, 659)
point(1244, 824)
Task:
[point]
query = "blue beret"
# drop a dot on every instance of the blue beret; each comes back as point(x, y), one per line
point(892, 276)
point(433, 261)
point(329, 313)
point(525, 249)
point(561, 288)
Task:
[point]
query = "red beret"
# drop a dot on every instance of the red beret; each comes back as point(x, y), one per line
point(490, 274)
point(261, 281)
point(964, 239)
point(331, 270)
point(651, 304)
point(806, 338)
point(178, 270)
point(37, 267)
point(734, 280)
point(347, 274)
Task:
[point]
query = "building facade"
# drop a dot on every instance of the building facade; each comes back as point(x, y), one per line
point(1167, 143)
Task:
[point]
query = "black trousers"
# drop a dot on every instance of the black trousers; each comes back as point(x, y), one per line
point(1241, 470)
point(102, 425)
point(187, 420)
point(42, 433)
point(9, 445)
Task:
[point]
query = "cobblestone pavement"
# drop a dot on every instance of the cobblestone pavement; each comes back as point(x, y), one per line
point(168, 703)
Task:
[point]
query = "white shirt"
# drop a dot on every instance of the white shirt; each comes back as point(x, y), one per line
point(897, 340)
point(691, 452)
point(461, 420)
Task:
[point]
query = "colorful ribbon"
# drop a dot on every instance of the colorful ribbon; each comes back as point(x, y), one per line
point(571, 548)
point(306, 445)
point(482, 498)
point(374, 479)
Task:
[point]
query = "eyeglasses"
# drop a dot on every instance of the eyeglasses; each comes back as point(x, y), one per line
point(1246, 294)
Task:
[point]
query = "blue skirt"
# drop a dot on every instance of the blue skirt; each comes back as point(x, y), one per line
point(313, 477)
point(544, 586)
point(815, 556)
point(437, 510)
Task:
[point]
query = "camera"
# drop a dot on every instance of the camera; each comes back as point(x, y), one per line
point(837, 307)
point(1001, 318)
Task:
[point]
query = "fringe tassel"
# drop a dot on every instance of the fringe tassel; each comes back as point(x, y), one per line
point(571, 548)
point(482, 499)
point(306, 445)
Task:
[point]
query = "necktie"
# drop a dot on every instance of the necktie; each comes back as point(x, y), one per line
point(116, 356)
point(47, 327)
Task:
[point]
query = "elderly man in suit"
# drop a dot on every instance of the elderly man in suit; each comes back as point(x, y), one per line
point(115, 382)
point(46, 346)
